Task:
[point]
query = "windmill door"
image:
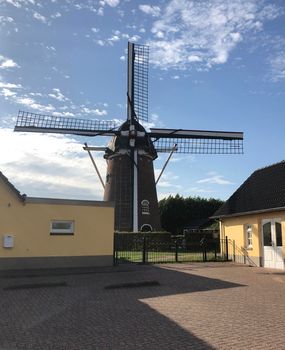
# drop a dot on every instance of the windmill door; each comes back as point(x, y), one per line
point(272, 243)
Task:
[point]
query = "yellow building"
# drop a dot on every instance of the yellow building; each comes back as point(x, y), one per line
point(253, 218)
point(42, 232)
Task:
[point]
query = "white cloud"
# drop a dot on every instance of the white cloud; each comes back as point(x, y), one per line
point(56, 15)
point(214, 178)
point(14, 3)
point(101, 11)
point(51, 48)
point(7, 93)
point(194, 58)
point(167, 180)
point(6, 63)
point(95, 30)
point(100, 42)
point(32, 156)
point(7, 90)
point(114, 38)
point(199, 190)
point(150, 10)
point(112, 3)
point(7, 19)
point(205, 32)
point(39, 17)
point(96, 111)
point(278, 66)
point(57, 95)
point(31, 103)
point(63, 114)
point(10, 85)
point(134, 38)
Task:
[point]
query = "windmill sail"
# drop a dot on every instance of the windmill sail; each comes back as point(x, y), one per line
point(33, 122)
point(138, 58)
point(197, 141)
point(130, 181)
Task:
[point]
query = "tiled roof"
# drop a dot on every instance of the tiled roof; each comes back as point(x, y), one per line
point(263, 190)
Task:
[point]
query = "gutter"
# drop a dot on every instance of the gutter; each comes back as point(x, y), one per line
point(247, 213)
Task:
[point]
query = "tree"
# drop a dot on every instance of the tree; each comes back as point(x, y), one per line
point(177, 212)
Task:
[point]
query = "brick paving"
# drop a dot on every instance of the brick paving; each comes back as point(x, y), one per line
point(191, 306)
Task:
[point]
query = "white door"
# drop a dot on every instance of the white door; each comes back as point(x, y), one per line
point(272, 243)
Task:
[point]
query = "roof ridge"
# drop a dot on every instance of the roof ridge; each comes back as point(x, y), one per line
point(269, 166)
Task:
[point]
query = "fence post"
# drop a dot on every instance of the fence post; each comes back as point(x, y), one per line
point(176, 250)
point(144, 249)
point(227, 249)
point(115, 253)
point(234, 250)
point(205, 252)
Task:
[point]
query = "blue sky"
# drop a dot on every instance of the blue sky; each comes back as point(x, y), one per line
point(214, 65)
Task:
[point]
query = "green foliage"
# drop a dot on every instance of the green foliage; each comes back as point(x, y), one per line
point(177, 212)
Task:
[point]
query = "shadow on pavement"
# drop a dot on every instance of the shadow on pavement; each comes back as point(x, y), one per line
point(86, 315)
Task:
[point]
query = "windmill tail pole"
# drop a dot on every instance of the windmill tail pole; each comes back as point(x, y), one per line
point(86, 148)
point(174, 148)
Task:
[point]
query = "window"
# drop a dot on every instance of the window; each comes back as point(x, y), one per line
point(145, 207)
point(248, 236)
point(146, 228)
point(62, 227)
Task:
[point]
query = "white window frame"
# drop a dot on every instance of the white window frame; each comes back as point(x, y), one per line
point(248, 236)
point(62, 231)
point(145, 207)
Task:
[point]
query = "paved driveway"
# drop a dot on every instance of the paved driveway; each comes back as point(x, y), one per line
point(183, 306)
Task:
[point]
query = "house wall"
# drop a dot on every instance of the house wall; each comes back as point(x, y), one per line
point(29, 223)
point(234, 229)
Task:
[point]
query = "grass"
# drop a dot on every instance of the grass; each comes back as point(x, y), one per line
point(163, 256)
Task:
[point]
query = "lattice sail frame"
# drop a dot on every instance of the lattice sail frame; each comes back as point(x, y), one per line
point(199, 146)
point(140, 81)
point(34, 122)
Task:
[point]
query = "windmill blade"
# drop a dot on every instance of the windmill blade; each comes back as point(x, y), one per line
point(197, 141)
point(138, 58)
point(33, 122)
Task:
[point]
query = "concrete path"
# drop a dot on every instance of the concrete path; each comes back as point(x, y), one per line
point(183, 306)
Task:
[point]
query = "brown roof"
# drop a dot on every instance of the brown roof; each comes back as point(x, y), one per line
point(262, 191)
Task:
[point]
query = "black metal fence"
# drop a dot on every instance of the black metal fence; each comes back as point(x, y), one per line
point(163, 248)
point(238, 254)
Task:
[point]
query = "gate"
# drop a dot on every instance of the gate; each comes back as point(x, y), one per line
point(154, 247)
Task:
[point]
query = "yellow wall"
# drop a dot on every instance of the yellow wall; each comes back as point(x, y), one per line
point(30, 225)
point(233, 228)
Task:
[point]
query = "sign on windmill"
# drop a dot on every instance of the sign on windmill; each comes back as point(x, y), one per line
point(130, 180)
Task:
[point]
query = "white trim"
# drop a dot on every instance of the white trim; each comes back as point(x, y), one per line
point(148, 226)
point(248, 236)
point(260, 211)
point(197, 133)
point(69, 230)
point(145, 207)
point(272, 255)
point(135, 194)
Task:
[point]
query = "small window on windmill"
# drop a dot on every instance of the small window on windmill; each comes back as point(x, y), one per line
point(145, 207)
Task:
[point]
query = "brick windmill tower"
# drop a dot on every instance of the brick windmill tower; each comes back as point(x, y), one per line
point(130, 180)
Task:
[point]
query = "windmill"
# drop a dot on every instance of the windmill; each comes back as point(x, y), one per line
point(130, 180)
